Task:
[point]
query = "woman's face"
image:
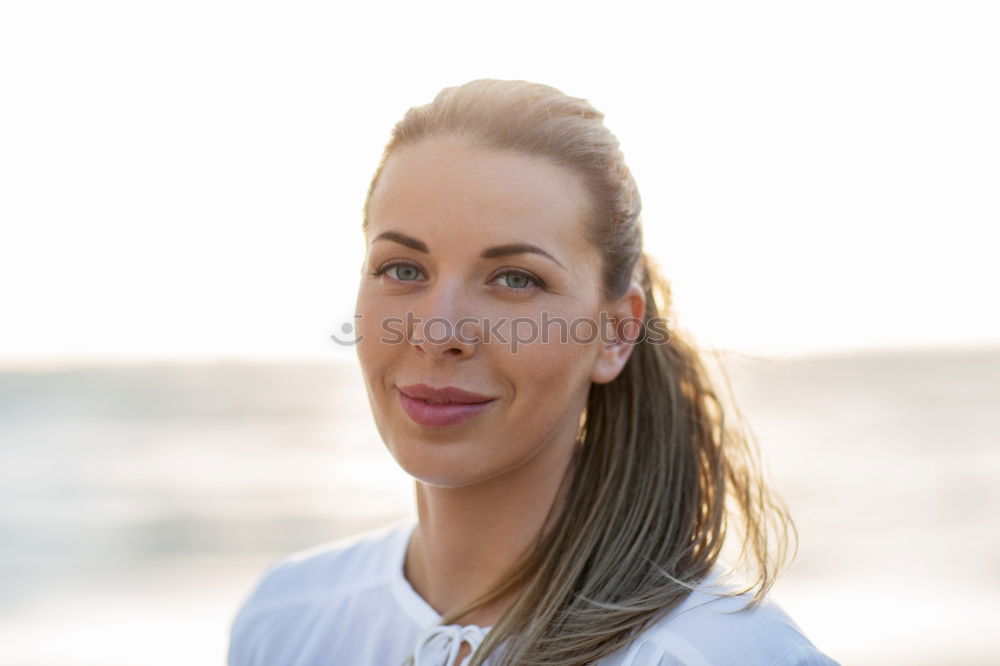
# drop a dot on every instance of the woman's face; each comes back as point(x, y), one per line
point(447, 269)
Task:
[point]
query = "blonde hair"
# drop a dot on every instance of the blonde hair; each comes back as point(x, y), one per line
point(660, 477)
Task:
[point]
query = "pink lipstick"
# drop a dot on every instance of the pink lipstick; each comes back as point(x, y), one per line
point(440, 407)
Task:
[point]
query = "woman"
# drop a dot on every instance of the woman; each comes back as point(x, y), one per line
point(571, 461)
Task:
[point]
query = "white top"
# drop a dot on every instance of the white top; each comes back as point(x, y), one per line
point(347, 602)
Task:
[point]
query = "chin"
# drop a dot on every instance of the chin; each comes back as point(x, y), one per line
point(446, 465)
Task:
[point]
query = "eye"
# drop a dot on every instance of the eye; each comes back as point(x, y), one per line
point(405, 272)
point(520, 280)
point(512, 280)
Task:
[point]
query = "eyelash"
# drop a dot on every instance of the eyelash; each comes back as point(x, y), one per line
point(536, 281)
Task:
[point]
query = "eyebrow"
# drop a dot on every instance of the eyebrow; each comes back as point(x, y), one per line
point(488, 253)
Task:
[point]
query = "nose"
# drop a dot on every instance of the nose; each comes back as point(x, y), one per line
point(446, 325)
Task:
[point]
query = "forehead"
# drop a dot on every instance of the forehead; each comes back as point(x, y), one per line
point(446, 190)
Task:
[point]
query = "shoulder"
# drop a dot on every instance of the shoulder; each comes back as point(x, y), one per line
point(287, 613)
point(321, 572)
point(709, 628)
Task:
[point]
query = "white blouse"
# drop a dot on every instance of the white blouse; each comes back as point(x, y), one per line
point(348, 603)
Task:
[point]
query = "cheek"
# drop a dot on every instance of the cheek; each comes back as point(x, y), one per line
point(384, 317)
point(542, 366)
point(378, 337)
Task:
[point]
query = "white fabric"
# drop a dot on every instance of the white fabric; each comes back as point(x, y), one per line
point(348, 603)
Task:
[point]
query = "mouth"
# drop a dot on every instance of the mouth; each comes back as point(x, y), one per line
point(444, 394)
point(440, 408)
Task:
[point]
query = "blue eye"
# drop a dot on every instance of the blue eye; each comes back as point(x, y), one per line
point(404, 273)
point(520, 281)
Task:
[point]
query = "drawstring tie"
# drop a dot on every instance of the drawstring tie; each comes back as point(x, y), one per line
point(440, 646)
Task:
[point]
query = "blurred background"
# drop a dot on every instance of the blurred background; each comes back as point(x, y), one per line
point(180, 192)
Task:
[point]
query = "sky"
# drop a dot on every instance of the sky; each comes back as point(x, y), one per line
point(185, 179)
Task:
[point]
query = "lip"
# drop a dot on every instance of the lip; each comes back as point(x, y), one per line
point(455, 405)
point(451, 394)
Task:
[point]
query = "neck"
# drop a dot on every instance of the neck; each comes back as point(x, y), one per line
point(468, 537)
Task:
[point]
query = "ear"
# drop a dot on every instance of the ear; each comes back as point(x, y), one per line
point(620, 335)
